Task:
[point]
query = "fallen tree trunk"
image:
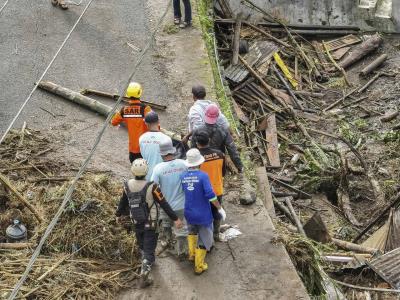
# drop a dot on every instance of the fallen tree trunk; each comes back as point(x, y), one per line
point(362, 50)
point(89, 103)
point(353, 247)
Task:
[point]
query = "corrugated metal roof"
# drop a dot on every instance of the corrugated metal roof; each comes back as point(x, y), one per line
point(388, 267)
point(259, 52)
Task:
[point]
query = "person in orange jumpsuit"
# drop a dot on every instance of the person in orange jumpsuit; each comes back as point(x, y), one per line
point(132, 115)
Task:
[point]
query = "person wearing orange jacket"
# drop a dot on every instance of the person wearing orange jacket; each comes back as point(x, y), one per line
point(132, 115)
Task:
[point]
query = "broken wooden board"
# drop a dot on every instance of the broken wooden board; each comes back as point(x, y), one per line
point(265, 190)
point(239, 112)
point(338, 54)
point(341, 42)
point(272, 142)
point(378, 239)
point(259, 53)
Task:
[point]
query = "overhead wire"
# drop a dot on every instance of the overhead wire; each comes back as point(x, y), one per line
point(84, 165)
point(44, 73)
point(4, 5)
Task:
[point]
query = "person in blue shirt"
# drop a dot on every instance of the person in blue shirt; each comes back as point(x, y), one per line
point(167, 175)
point(199, 196)
point(149, 142)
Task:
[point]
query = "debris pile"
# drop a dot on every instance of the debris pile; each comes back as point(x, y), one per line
point(87, 255)
point(320, 111)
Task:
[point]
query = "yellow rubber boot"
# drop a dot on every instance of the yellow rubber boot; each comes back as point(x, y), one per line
point(192, 245)
point(199, 265)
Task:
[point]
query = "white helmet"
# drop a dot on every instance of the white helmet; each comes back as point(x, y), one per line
point(139, 167)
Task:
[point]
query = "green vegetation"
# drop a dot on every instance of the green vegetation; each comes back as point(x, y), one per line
point(171, 29)
point(348, 133)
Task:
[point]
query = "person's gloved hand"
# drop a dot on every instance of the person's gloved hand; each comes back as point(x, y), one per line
point(222, 212)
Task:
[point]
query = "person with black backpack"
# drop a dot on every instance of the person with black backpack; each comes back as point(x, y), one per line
point(142, 200)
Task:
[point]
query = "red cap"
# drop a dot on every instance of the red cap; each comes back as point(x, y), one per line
point(211, 114)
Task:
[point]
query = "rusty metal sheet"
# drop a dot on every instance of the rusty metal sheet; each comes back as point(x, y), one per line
point(387, 266)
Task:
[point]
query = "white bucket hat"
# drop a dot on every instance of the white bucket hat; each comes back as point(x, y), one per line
point(166, 147)
point(194, 158)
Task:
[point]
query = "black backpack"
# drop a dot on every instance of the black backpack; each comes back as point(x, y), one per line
point(138, 207)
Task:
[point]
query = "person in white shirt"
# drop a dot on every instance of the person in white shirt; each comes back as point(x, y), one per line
point(197, 111)
point(149, 142)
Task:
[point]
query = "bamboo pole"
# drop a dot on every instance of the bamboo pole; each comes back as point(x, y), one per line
point(89, 103)
point(15, 246)
point(295, 218)
point(11, 188)
point(353, 247)
point(374, 64)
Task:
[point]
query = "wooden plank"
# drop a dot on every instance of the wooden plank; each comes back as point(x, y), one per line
point(265, 190)
point(239, 112)
point(272, 138)
point(236, 39)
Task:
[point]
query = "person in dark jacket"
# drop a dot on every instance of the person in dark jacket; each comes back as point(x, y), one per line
point(146, 220)
point(220, 137)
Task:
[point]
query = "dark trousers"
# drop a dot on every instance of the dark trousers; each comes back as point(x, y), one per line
point(217, 217)
point(133, 156)
point(188, 10)
point(214, 210)
point(146, 238)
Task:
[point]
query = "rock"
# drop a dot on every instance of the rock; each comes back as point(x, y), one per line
point(247, 194)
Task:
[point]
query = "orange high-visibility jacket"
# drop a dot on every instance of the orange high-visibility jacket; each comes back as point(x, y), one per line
point(214, 166)
point(133, 116)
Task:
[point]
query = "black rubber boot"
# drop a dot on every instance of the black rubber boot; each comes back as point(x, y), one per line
point(145, 278)
point(217, 225)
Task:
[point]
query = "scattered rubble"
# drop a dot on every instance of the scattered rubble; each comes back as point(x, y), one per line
point(320, 109)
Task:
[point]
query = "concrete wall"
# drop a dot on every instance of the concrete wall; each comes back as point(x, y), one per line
point(319, 12)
